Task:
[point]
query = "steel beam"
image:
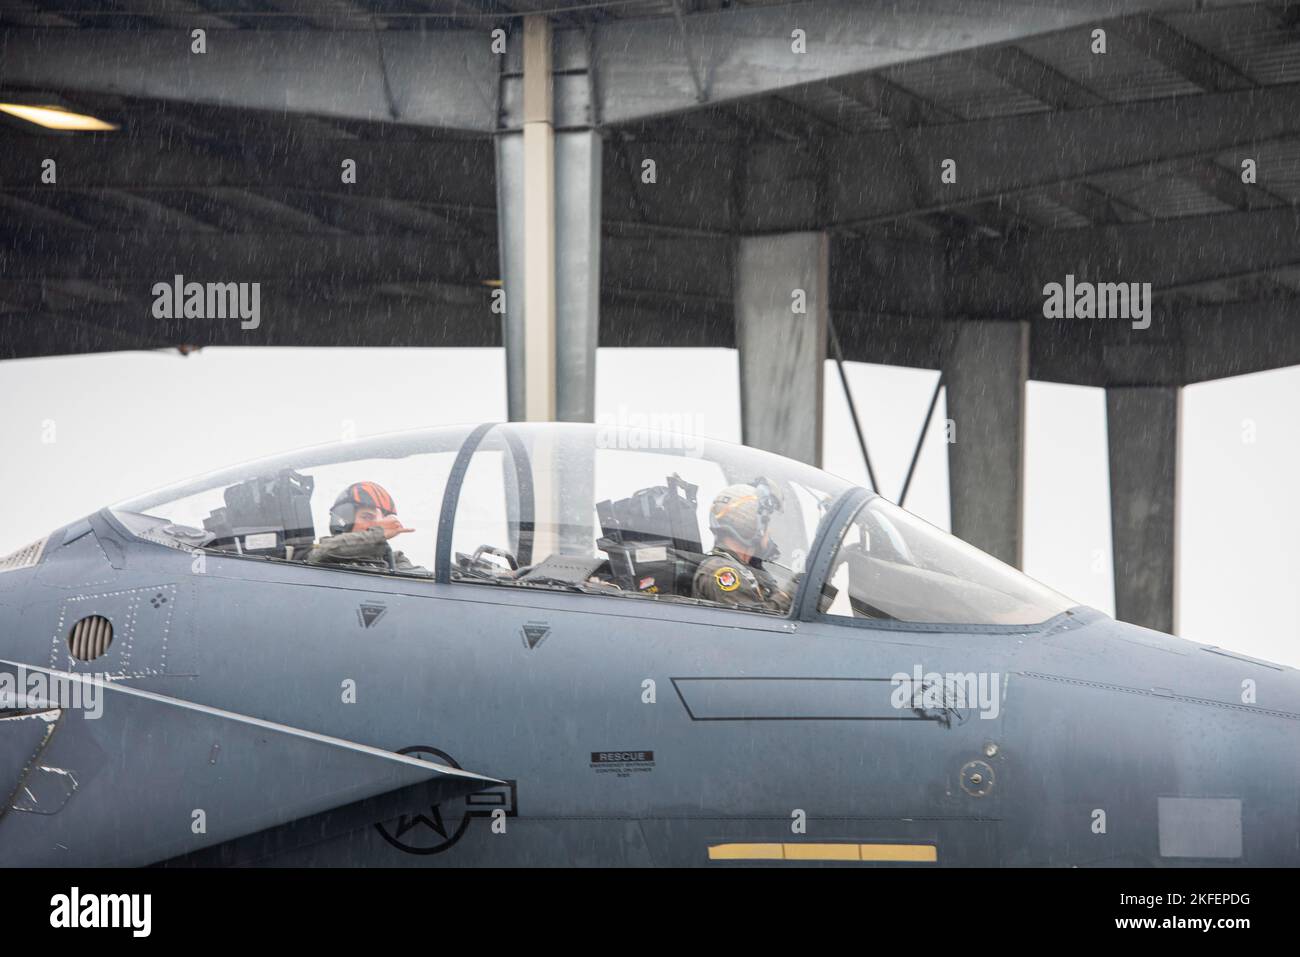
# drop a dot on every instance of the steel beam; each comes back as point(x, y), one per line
point(444, 78)
point(449, 78)
point(646, 67)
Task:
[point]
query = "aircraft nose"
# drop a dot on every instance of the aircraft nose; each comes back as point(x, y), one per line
point(1243, 786)
point(1199, 743)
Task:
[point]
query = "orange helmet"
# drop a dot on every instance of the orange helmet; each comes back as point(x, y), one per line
point(343, 514)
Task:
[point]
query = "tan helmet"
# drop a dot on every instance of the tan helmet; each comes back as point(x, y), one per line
point(743, 512)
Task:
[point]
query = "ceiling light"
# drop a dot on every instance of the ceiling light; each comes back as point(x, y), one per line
point(54, 118)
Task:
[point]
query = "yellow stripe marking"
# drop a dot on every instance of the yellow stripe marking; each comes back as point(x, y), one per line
point(926, 853)
point(917, 853)
point(822, 852)
point(746, 852)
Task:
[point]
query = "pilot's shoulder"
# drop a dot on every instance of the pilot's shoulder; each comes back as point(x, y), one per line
point(715, 561)
point(348, 545)
point(723, 573)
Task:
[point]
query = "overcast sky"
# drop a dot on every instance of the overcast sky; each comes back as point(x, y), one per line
point(82, 432)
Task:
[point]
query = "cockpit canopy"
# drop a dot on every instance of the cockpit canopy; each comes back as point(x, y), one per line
point(597, 510)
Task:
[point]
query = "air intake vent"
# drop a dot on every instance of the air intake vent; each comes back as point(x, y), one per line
point(90, 638)
point(25, 557)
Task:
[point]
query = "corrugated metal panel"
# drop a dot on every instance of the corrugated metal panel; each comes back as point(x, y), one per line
point(1252, 39)
point(1290, 278)
point(1128, 186)
point(1258, 287)
point(959, 86)
point(1208, 293)
point(824, 101)
point(1172, 196)
point(1117, 186)
point(610, 8)
point(116, 210)
point(1122, 74)
point(1277, 166)
point(1040, 209)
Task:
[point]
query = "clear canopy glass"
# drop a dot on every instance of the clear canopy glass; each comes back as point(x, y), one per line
point(284, 501)
point(624, 511)
point(892, 566)
point(653, 515)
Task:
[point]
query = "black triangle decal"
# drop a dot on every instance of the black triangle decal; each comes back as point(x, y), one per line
point(535, 633)
point(370, 614)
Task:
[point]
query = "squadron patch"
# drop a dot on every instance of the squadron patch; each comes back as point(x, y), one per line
point(727, 578)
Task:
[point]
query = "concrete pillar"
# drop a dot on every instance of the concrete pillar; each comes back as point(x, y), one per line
point(577, 263)
point(510, 241)
point(985, 366)
point(548, 219)
point(781, 305)
point(1142, 425)
point(539, 223)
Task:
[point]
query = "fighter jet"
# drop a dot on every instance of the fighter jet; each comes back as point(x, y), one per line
point(562, 644)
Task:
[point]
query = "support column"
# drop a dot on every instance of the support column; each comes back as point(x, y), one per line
point(510, 240)
point(539, 223)
point(1142, 425)
point(985, 367)
point(548, 218)
point(781, 305)
point(577, 261)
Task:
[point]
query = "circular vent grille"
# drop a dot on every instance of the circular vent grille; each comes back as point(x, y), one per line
point(90, 638)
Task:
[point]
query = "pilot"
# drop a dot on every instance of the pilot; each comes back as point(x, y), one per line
point(362, 521)
point(733, 573)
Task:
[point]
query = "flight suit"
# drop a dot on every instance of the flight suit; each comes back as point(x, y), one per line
point(368, 549)
point(724, 579)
